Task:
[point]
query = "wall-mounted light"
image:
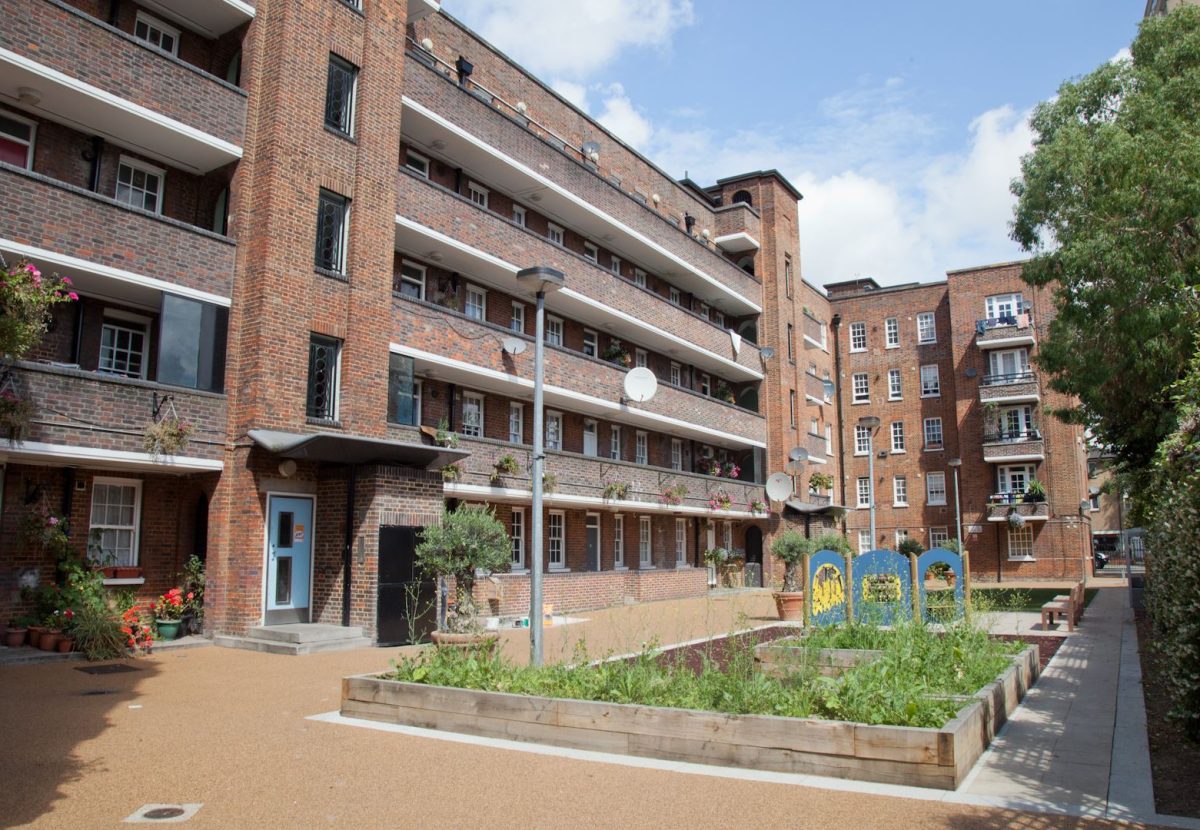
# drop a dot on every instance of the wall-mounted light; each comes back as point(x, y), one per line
point(29, 96)
point(287, 467)
point(427, 44)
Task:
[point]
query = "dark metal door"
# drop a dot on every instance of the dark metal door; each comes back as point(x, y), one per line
point(406, 607)
point(754, 558)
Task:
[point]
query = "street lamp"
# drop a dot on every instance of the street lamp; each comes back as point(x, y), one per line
point(539, 279)
point(872, 424)
point(956, 463)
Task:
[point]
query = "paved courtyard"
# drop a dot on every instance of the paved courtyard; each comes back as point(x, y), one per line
point(232, 730)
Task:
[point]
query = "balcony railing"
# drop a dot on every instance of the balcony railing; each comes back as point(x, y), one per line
point(1001, 505)
point(1008, 330)
point(1009, 436)
point(1012, 388)
point(1007, 379)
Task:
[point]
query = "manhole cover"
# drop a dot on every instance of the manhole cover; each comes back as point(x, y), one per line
point(108, 668)
point(163, 812)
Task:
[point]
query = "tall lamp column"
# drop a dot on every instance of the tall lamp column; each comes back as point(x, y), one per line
point(872, 424)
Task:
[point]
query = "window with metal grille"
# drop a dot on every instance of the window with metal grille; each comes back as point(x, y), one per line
point(324, 357)
point(332, 220)
point(340, 87)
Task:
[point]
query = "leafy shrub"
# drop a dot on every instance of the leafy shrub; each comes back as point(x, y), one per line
point(98, 635)
point(790, 548)
point(468, 539)
point(910, 547)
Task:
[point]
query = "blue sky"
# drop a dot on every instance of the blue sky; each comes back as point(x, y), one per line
point(901, 122)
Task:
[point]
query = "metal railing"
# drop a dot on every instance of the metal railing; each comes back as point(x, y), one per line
point(1010, 436)
point(1020, 321)
point(1007, 379)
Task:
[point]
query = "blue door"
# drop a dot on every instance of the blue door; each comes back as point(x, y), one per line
point(289, 559)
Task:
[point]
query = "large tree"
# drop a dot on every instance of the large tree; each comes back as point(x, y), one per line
point(1109, 205)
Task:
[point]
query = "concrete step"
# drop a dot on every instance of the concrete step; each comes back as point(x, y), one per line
point(269, 646)
point(300, 633)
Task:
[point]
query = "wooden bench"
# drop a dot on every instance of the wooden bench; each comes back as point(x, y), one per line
point(1068, 606)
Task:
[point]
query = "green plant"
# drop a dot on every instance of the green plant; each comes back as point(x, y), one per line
point(170, 605)
point(98, 635)
point(194, 580)
point(616, 491)
point(444, 437)
point(835, 542)
point(16, 413)
point(468, 539)
point(820, 481)
point(790, 547)
point(452, 472)
point(716, 556)
point(952, 545)
point(26, 297)
point(756, 506)
point(910, 547)
point(549, 482)
point(724, 393)
point(719, 499)
point(167, 436)
point(616, 353)
point(1035, 491)
point(506, 465)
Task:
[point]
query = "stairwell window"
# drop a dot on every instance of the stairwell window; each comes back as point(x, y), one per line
point(153, 32)
point(333, 221)
point(926, 328)
point(341, 88)
point(115, 515)
point(139, 185)
point(931, 385)
point(324, 368)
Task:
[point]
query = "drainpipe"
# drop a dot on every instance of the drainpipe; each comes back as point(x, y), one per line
point(836, 323)
point(114, 12)
point(95, 156)
point(348, 548)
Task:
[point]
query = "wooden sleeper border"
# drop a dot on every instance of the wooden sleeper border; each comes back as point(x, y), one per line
point(937, 758)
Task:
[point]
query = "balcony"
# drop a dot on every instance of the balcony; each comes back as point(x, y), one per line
point(1005, 332)
point(1018, 445)
point(108, 248)
point(814, 390)
point(814, 332)
point(738, 228)
point(440, 225)
point(1020, 387)
point(72, 68)
point(815, 444)
point(211, 18)
point(1000, 505)
point(98, 421)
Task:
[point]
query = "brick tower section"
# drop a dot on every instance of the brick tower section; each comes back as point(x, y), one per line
point(279, 298)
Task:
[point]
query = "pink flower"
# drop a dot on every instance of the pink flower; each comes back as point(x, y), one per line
point(67, 281)
point(52, 521)
point(31, 268)
point(73, 295)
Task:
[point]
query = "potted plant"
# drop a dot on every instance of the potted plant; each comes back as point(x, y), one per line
point(730, 469)
point(506, 465)
point(719, 499)
point(444, 437)
point(192, 580)
point(618, 354)
point(724, 393)
point(1035, 491)
point(757, 506)
point(820, 481)
point(452, 472)
point(168, 612)
point(17, 631)
point(468, 539)
point(790, 548)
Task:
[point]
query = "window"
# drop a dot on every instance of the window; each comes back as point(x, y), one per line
point(516, 423)
point(614, 265)
point(1003, 306)
point(676, 454)
point(123, 347)
point(719, 318)
point(931, 385)
point(554, 331)
point(16, 140)
point(476, 307)
point(517, 535)
point(591, 252)
point(639, 277)
point(618, 541)
point(933, 433)
point(152, 31)
point(520, 216)
point(554, 430)
point(791, 341)
point(858, 337)
point(814, 427)
point(139, 185)
point(676, 374)
point(591, 342)
point(681, 541)
point(828, 439)
point(705, 384)
point(1014, 479)
point(926, 328)
point(673, 293)
point(333, 219)
point(590, 434)
point(895, 392)
point(864, 491)
point(644, 553)
point(614, 445)
point(116, 514)
point(517, 321)
point(935, 488)
point(340, 87)
point(787, 275)
point(555, 234)
point(1094, 502)
point(417, 163)
point(472, 414)
point(1009, 366)
point(479, 195)
point(641, 454)
point(901, 537)
point(412, 280)
point(899, 491)
point(704, 310)
point(864, 541)
point(404, 392)
point(1016, 424)
point(861, 387)
point(891, 333)
point(555, 535)
point(898, 436)
point(862, 440)
point(1020, 542)
point(192, 353)
point(324, 364)
point(938, 537)
point(640, 358)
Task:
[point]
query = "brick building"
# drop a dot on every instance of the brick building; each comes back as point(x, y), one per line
point(297, 226)
point(946, 369)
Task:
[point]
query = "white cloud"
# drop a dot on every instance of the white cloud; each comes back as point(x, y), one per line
point(623, 120)
point(572, 39)
point(573, 92)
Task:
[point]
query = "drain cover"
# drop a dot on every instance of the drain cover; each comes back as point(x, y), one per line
point(107, 668)
point(164, 812)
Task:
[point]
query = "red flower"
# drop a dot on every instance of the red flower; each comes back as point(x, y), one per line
point(191, 595)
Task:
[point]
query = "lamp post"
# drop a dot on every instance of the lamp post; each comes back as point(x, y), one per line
point(540, 279)
point(872, 424)
point(956, 463)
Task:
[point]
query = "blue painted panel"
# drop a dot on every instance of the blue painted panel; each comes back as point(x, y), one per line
point(882, 587)
point(932, 557)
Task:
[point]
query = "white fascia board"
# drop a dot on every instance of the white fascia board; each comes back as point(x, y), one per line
point(1004, 459)
point(37, 452)
point(580, 203)
point(632, 416)
point(735, 243)
point(69, 263)
point(509, 495)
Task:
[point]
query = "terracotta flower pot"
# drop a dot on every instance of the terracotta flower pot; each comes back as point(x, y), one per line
point(49, 640)
point(65, 645)
point(35, 635)
point(790, 605)
point(15, 637)
point(128, 573)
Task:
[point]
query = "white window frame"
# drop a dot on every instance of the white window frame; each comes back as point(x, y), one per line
point(895, 385)
point(554, 330)
point(416, 279)
point(897, 433)
point(938, 537)
point(864, 535)
point(516, 537)
point(995, 306)
point(792, 408)
point(161, 174)
point(863, 493)
point(1020, 543)
point(676, 374)
point(675, 297)
point(704, 310)
point(891, 333)
point(614, 442)
point(935, 488)
point(676, 454)
point(134, 529)
point(828, 440)
point(639, 277)
point(472, 400)
point(862, 440)
point(1005, 474)
point(619, 542)
point(124, 321)
point(931, 381)
point(555, 234)
point(645, 543)
point(516, 422)
point(520, 215)
point(614, 264)
point(641, 447)
point(32, 125)
point(151, 23)
point(901, 536)
point(478, 194)
point(719, 318)
point(641, 358)
point(556, 419)
point(899, 491)
point(595, 433)
point(556, 534)
point(926, 328)
point(421, 167)
point(860, 384)
point(858, 337)
point(517, 321)
point(680, 542)
point(727, 534)
point(472, 292)
point(591, 343)
point(705, 384)
point(591, 252)
point(930, 422)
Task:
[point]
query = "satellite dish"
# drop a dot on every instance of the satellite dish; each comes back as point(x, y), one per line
point(972, 372)
point(779, 486)
point(798, 454)
point(640, 384)
point(513, 345)
point(767, 352)
point(591, 149)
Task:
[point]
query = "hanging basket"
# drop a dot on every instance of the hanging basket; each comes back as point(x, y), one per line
point(1015, 519)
